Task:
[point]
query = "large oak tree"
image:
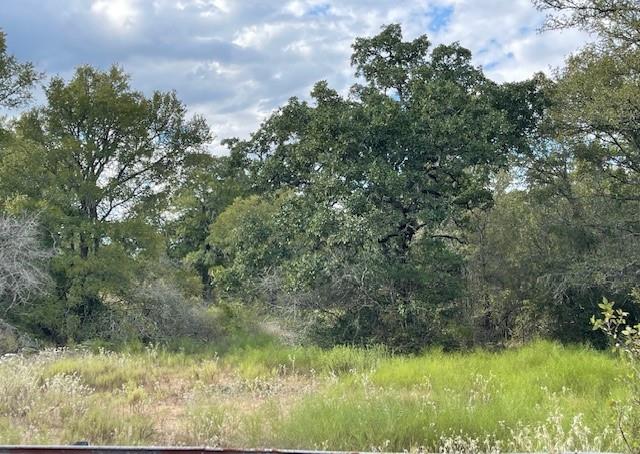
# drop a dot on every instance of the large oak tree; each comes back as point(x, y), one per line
point(380, 181)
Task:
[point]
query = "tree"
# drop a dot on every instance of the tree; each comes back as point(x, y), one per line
point(597, 95)
point(209, 185)
point(384, 179)
point(616, 21)
point(23, 273)
point(244, 240)
point(530, 262)
point(98, 161)
point(108, 150)
point(594, 115)
point(16, 79)
point(387, 62)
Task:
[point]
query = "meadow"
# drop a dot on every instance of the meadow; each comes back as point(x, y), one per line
point(540, 397)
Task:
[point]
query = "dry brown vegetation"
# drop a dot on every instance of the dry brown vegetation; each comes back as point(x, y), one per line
point(539, 398)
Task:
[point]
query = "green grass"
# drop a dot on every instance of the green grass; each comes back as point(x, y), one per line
point(542, 397)
point(412, 402)
point(274, 359)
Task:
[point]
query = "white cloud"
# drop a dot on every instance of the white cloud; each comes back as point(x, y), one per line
point(120, 14)
point(504, 37)
point(235, 61)
point(296, 8)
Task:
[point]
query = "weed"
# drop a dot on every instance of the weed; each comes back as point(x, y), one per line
point(542, 397)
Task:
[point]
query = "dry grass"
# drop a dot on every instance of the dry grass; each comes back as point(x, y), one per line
point(62, 396)
point(540, 398)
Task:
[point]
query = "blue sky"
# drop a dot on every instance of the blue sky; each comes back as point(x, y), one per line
point(234, 61)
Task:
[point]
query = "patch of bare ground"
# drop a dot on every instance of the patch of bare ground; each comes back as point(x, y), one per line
point(173, 397)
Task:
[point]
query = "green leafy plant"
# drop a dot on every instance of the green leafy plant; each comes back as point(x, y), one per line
point(626, 337)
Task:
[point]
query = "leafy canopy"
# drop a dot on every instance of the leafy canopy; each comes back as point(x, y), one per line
point(379, 182)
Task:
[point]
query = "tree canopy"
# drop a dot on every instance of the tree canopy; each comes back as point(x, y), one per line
point(16, 78)
point(428, 205)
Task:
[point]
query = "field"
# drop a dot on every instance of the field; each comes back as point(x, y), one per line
point(542, 397)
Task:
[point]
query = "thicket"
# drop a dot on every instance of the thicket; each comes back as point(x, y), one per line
point(429, 206)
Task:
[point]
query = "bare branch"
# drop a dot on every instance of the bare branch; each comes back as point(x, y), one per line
point(22, 274)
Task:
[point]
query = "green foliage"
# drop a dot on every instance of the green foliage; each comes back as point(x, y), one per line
point(564, 231)
point(595, 105)
point(430, 206)
point(246, 234)
point(378, 186)
point(393, 67)
point(102, 167)
point(209, 185)
point(626, 338)
point(16, 79)
point(527, 275)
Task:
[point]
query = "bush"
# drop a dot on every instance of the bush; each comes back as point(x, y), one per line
point(626, 339)
point(9, 338)
point(158, 311)
point(22, 273)
point(164, 312)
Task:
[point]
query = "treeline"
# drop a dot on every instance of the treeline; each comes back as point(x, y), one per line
point(430, 205)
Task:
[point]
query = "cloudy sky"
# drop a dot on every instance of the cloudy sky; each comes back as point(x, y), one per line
point(234, 61)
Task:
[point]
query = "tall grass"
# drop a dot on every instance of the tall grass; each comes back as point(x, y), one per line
point(274, 359)
point(542, 397)
point(413, 402)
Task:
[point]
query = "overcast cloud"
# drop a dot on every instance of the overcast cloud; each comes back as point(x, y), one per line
point(235, 61)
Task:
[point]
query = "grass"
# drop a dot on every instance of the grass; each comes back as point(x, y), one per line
point(542, 397)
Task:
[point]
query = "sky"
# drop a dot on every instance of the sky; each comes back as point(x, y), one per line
point(235, 61)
